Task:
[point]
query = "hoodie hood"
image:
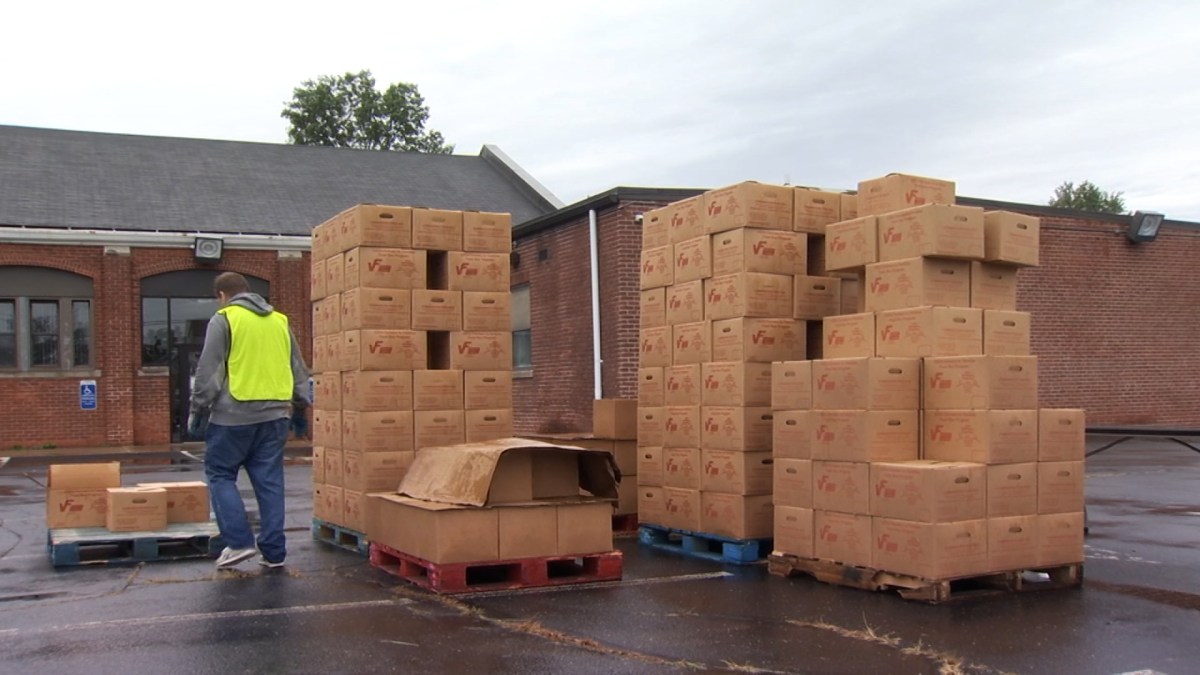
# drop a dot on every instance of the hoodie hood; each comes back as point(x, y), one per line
point(253, 302)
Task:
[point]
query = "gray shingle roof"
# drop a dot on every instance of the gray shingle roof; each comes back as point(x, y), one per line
point(75, 179)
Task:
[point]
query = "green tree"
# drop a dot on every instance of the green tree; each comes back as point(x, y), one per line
point(1087, 197)
point(347, 111)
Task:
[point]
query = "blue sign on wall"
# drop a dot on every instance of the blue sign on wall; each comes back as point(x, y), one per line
point(87, 394)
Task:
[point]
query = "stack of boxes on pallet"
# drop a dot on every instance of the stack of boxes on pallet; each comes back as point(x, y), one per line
point(913, 442)
point(90, 495)
point(412, 346)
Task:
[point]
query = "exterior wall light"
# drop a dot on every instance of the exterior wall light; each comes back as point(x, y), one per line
point(208, 249)
point(1143, 226)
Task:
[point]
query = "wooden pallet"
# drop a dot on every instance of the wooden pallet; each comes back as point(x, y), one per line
point(714, 547)
point(71, 547)
point(341, 537)
point(496, 575)
point(927, 590)
point(625, 522)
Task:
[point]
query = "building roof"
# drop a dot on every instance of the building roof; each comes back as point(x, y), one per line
point(86, 180)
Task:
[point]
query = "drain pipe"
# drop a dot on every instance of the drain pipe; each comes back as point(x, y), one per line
point(595, 304)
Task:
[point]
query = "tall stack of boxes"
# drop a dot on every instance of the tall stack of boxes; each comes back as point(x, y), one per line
point(412, 346)
point(912, 441)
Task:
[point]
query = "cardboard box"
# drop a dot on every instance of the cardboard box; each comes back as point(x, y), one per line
point(1060, 539)
point(854, 301)
point(651, 388)
point(686, 219)
point(682, 468)
point(187, 502)
point(794, 530)
point(615, 418)
point(897, 191)
point(685, 302)
point(693, 259)
point(767, 251)
point(481, 350)
point(437, 428)
point(748, 294)
point(748, 204)
point(1011, 238)
point(816, 209)
point(481, 272)
point(437, 230)
point(1006, 333)
point(437, 390)
point(866, 383)
point(656, 227)
point(325, 358)
point(816, 297)
point(993, 286)
point(758, 340)
point(652, 505)
point(327, 315)
point(653, 307)
point(651, 466)
point(627, 499)
point(374, 471)
point(487, 389)
point(684, 385)
point(849, 206)
point(651, 427)
point(317, 280)
point(929, 491)
point(658, 269)
point(682, 509)
point(333, 504)
point(692, 343)
point(487, 425)
point(437, 310)
point(371, 267)
point(851, 244)
point(437, 532)
point(1012, 490)
point(1060, 487)
point(980, 383)
point(848, 335)
point(916, 282)
point(1062, 435)
point(656, 347)
point(327, 391)
point(322, 236)
point(940, 230)
point(318, 464)
point(681, 427)
point(842, 537)
point(1012, 543)
point(335, 467)
point(486, 311)
point(866, 435)
point(379, 349)
point(327, 428)
point(737, 516)
point(842, 486)
point(744, 429)
point(929, 331)
point(76, 494)
point(739, 473)
point(983, 436)
point(792, 385)
point(335, 274)
point(353, 516)
point(376, 390)
point(792, 483)
point(736, 383)
point(485, 232)
point(931, 550)
point(584, 528)
point(136, 509)
point(791, 434)
point(624, 451)
point(375, 225)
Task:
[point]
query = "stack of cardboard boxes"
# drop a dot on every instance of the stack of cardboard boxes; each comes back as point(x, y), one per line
point(915, 444)
point(90, 495)
point(412, 346)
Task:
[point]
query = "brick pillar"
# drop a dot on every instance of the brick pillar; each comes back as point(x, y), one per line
point(118, 338)
point(289, 294)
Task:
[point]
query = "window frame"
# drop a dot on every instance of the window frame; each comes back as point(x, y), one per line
point(65, 328)
point(522, 329)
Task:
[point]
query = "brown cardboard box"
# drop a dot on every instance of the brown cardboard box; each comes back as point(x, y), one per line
point(758, 340)
point(916, 282)
point(653, 307)
point(318, 501)
point(335, 274)
point(651, 427)
point(1060, 487)
point(481, 350)
point(437, 230)
point(929, 491)
point(318, 464)
point(316, 279)
point(791, 385)
point(76, 494)
point(656, 347)
point(792, 483)
point(651, 468)
point(748, 294)
point(485, 272)
point(377, 431)
point(842, 537)
point(1012, 490)
point(866, 435)
point(487, 389)
point(627, 498)
point(686, 219)
point(739, 473)
point(993, 286)
point(817, 297)
point(842, 486)
point(692, 343)
point(485, 232)
point(437, 428)
point(794, 530)
point(737, 516)
point(980, 383)
point(437, 532)
point(897, 191)
point(374, 225)
point(187, 502)
point(1006, 333)
point(983, 436)
point(136, 509)
point(371, 267)
point(437, 390)
point(376, 390)
point(327, 315)
point(379, 349)
point(740, 428)
point(849, 206)
point(848, 335)
point(1062, 435)
point(693, 259)
point(333, 504)
point(327, 391)
point(940, 230)
point(487, 425)
point(767, 251)
point(322, 236)
point(736, 383)
point(374, 471)
point(437, 310)
point(681, 426)
point(615, 418)
point(352, 510)
point(866, 383)
point(1012, 543)
point(651, 388)
point(326, 358)
point(584, 528)
point(682, 509)
point(528, 474)
point(682, 468)
point(683, 385)
point(792, 435)
point(748, 204)
point(931, 550)
point(652, 505)
point(929, 331)
point(484, 311)
point(327, 428)
point(851, 244)
point(685, 302)
point(656, 227)
point(816, 209)
point(335, 467)
point(853, 299)
point(1012, 238)
point(658, 268)
point(1060, 539)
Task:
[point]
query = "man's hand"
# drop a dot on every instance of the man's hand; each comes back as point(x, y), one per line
point(197, 424)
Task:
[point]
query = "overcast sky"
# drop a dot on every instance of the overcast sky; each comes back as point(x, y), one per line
point(1007, 98)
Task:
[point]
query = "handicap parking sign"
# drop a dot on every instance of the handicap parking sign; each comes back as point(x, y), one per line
point(87, 394)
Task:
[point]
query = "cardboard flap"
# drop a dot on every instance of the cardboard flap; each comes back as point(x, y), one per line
point(463, 474)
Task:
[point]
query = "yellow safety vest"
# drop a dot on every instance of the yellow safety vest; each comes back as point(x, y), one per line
point(259, 367)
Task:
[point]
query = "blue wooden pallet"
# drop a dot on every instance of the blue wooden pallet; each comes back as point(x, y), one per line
point(341, 537)
point(715, 547)
point(97, 546)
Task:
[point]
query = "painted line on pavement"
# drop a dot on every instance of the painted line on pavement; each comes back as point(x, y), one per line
point(624, 583)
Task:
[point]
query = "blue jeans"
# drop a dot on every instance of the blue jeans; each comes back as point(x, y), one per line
point(258, 448)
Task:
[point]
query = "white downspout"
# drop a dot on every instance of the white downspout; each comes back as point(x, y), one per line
point(596, 360)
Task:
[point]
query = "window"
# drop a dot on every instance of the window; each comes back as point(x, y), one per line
point(8, 334)
point(176, 307)
point(43, 331)
point(45, 319)
point(522, 343)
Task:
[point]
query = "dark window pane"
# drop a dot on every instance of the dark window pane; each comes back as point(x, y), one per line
point(189, 318)
point(8, 334)
point(81, 320)
point(43, 330)
point(155, 340)
point(522, 350)
point(8, 351)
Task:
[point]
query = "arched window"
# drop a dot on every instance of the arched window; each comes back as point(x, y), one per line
point(45, 319)
point(176, 307)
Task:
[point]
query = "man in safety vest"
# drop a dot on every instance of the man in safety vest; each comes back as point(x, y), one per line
point(249, 371)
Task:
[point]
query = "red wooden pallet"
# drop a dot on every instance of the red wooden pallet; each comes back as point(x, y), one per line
point(626, 522)
point(494, 575)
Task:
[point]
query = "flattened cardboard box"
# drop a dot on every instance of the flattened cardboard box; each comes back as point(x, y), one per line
point(794, 530)
point(653, 308)
point(758, 340)
point(651, 388)
point(685, 302)
point(487, 389)
point(136, 509)
point(371, 267)
point(792, 435)
point(1012, 238)
point(791, 385)
point(983, 436)
point(682, 468)
point(748, 204)
point(657, 268)
point(737, 516)
point(736, 383)
point(693, 260)
point(437, 230)
point(940, 230)
point(77, 494)
point(683, 385)
point(814, 210)
point(929, 331)
point(1062, 435)
point(377, 390)
point(897, 191)
point(187, 502)
point(917, 282)
point(767, 251)
point(485, 232)
point(842, 537)
point(930, 550)
point(866, 383)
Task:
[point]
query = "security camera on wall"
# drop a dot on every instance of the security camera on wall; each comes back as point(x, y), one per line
point(638, 219)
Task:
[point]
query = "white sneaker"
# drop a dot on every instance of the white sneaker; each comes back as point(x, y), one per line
point(231, 557)
point(267, 563)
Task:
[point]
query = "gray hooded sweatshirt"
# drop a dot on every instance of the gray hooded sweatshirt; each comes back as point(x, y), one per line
point(210, 393)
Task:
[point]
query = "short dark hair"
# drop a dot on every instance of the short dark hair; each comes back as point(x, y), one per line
point(230, 283)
